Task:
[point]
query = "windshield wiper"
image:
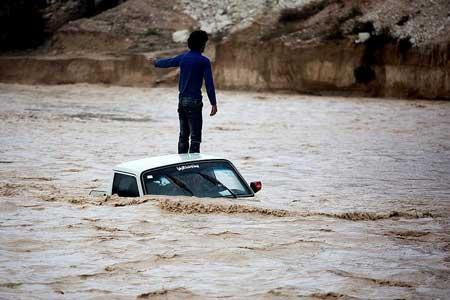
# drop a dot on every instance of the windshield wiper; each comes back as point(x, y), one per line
point(217, 182)
point(180, 184)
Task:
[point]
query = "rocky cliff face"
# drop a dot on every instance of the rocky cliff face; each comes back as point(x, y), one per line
point(342, 47)
point(373, 48)
point(27, 24)
point(134, 26)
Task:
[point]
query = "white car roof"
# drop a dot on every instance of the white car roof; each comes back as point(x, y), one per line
point(136, 167)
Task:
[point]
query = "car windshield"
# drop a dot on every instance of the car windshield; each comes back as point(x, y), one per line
point(200, 179)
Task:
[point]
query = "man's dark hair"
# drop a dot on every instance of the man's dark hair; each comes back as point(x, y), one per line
point(197, 40)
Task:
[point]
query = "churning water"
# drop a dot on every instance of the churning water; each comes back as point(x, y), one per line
point(355, 200)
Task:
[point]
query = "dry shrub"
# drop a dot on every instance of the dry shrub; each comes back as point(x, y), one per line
point(288, 15)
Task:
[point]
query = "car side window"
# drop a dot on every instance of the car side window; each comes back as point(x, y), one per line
point(125, 186)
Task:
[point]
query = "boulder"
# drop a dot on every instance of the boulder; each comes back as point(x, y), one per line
point(180, 36)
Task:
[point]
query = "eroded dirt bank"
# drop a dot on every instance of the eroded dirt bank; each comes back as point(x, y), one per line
point(123, 70)
point(355, 200)
point(326, 68)
point(63, 70)
point(330, 68)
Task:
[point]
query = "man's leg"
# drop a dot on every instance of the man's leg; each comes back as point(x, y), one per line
point(183, 140)
point(195, 124)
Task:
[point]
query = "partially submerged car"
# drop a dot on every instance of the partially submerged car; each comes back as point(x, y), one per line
point(196, 175)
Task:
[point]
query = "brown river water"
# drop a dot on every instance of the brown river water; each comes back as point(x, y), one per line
point(355, 201)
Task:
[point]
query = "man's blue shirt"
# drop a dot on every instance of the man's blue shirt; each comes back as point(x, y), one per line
point(194, 67)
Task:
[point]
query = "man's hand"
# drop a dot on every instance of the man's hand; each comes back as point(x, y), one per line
point(151, 60)
point(213, 110)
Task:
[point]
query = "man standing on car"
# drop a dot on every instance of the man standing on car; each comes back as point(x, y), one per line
point(194, 68)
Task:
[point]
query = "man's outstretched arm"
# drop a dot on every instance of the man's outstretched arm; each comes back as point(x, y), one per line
point(210, 90)
point(171, 62)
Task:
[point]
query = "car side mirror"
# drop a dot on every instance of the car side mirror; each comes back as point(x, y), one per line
point(256, 186)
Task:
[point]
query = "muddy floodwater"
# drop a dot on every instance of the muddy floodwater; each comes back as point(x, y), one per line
point(355, 201)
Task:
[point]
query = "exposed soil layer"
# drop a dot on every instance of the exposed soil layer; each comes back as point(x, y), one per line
point(303, 70)
point(334, 67)
point(125, 70)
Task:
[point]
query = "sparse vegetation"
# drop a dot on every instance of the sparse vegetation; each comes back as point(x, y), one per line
point(335, 31)
point(151, 31)
point(354, 12)
point(298, 14)
point(403, 20)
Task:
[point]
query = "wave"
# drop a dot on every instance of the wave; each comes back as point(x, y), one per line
point(187, 206)
point(381, 282)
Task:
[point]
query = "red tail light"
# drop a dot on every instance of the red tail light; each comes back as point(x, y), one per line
point(256, 186)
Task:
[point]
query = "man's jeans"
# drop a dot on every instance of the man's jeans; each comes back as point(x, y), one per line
point(190, 115)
